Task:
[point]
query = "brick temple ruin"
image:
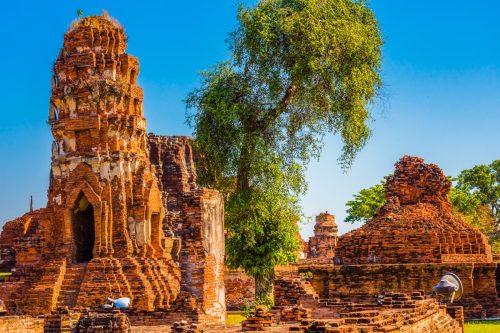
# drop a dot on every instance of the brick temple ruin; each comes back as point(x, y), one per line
point(125, 217)
point(408, 245)
point(390, 263)
point(322, 245)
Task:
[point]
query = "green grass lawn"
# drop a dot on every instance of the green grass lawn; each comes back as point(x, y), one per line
point(3, 275)
point(482, 327)
point(234, 318)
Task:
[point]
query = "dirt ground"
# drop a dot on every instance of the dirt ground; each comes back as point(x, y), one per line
point(228, 329)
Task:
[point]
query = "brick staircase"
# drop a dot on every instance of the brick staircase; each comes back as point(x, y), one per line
point(294, 291)
point(71, 285)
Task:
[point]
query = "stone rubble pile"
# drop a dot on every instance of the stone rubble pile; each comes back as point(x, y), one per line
point(296, 313)
point(259, 320)
point(184, 327)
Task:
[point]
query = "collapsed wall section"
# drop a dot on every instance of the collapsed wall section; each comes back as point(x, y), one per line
point(195, 217)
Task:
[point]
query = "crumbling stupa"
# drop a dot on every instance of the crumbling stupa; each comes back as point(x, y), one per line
point(416, 225)
point(105, 231)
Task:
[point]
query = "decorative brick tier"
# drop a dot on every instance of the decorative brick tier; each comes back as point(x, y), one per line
point(416, 224)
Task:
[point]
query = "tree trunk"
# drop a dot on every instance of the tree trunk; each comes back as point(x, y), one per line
point(264, 285)
point(245, 163)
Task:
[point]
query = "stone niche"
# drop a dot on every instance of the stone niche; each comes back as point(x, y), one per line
point(120, 220)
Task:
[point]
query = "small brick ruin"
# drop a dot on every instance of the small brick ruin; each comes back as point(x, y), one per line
point(412, 313)
point(259, 320)
point(125, 217)
point(322, 245)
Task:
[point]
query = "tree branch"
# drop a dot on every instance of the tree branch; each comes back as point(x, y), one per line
point(273, 114)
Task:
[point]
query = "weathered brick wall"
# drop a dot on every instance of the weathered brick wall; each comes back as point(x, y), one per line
point(195, 216)
point(363, 282)
point(240, 289)
point(40, 289)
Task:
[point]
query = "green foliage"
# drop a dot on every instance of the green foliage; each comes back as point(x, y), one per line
point(3, 275)
point(482, 327)
point(306, 275)
point(300, 69)
point(250, 307)
point(482, 185)
point(262, 232)
point(79, 13)
point(476, 196)
point(365, 203)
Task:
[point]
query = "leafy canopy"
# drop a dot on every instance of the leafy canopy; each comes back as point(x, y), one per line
point(365, 203)
point(481, 186)
point(299, 69)
point(476, 197)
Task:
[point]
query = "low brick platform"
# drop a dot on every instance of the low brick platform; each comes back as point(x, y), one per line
point(21, 324)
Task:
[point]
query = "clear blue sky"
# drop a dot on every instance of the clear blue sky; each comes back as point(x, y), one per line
point(441, 71)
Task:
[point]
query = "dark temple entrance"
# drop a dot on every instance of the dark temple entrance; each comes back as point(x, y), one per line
point(83, 229)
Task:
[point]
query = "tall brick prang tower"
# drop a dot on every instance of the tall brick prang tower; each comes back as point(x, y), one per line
point(99, 158)
point(101, 234)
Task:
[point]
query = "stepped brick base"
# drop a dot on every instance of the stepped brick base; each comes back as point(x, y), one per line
point(364, 282)
point(151, 284)
point(398, 313)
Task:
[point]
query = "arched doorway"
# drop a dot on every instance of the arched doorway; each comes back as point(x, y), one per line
point(83, 229)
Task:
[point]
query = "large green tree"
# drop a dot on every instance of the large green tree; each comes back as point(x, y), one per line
point(299, 69)
point(481, 185)
point(476, 196)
